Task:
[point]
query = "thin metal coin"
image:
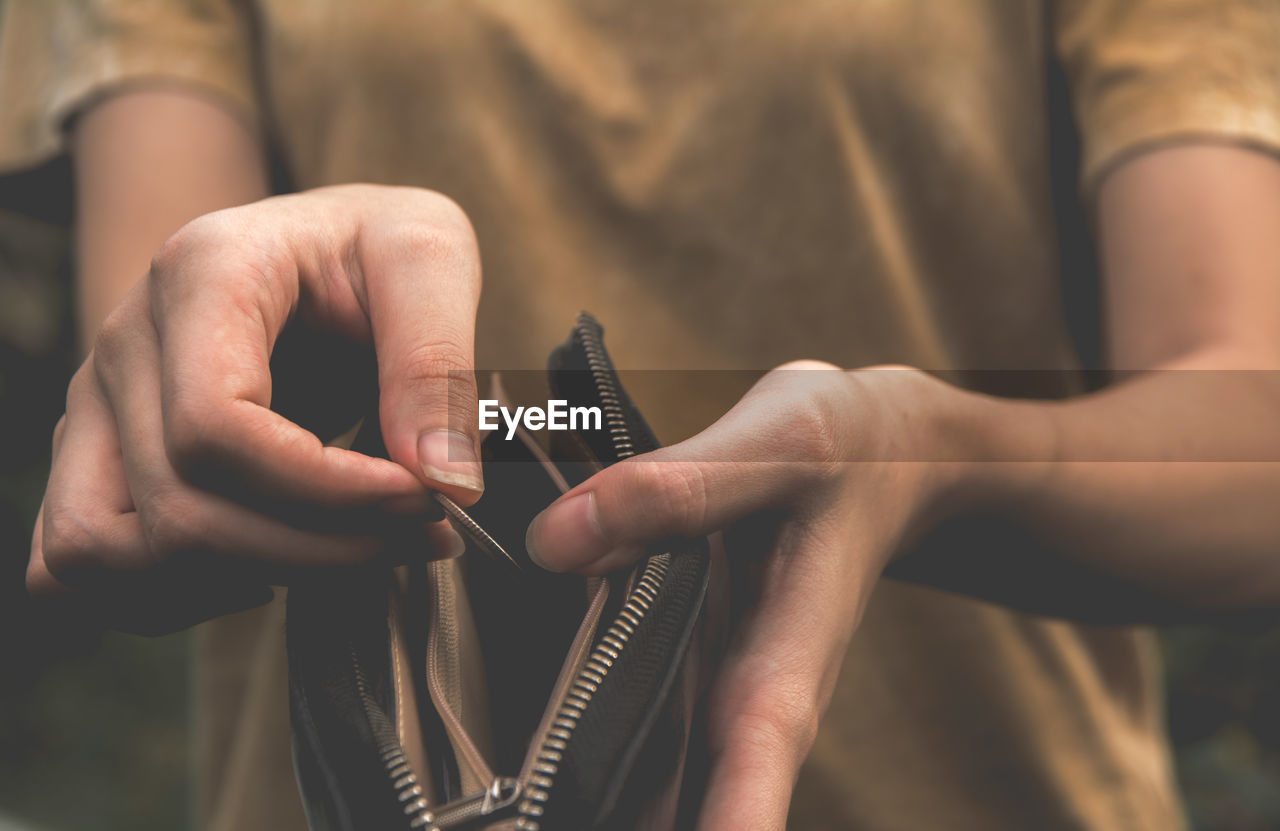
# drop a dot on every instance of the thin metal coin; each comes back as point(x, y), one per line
point(470, 529)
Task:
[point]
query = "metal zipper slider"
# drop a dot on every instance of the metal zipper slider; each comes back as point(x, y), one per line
point(473, 811)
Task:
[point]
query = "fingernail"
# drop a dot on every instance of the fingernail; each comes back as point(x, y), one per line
point(450, 457)
point(567, 537)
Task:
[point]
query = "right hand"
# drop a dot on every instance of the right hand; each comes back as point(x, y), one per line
point(177, 494)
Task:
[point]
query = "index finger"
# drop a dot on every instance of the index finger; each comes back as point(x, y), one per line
point(778, 677)
point(217, 316)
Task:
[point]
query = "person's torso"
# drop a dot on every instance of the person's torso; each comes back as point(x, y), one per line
point(731, 184)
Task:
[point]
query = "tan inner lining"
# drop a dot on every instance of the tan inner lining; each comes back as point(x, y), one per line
point(456, 684)
point(455, 676)
point(408, 725)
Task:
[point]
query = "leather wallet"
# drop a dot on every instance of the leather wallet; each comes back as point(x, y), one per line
point(482, 692)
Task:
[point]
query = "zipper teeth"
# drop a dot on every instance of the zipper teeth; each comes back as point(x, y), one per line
point(408, 792)
point(403, 779)
point(643, 595)
point(584, 687)
point(606, 385)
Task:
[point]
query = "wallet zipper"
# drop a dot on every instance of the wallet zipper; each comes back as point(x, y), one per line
point(526, 799)
point(497, 800)
point(643, 593)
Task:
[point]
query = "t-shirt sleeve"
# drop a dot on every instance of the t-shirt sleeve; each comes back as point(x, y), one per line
point(1149, 72)
point(59, 56)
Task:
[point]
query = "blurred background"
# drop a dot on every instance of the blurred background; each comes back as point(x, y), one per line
point(93, 726)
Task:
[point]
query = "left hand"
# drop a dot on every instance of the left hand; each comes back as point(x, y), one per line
point(818, 476)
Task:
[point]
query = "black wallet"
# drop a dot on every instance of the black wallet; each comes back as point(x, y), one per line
point(482, 692)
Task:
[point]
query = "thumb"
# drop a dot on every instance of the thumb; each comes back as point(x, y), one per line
point(423, 289)
point(607, 522)
point(768, 452)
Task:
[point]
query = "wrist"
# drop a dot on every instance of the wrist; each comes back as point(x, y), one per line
point(967, 452)
point(996, 452)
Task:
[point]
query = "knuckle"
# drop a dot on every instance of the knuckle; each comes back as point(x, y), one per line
point(685, 497)
point(447, 215)
point(192, 441)
point(170, 524)
point(110, 346)
point(817, 436)
point(782, 721)
point(170, 253)
point(461, 403)
point(807, 365)
point(816, 414)
point(68, 542)
point(194, 235)
point(443, 358)
point(249, 259)
point(674, 492)
point(431, 241)
point(211, 229)
point(428, 227)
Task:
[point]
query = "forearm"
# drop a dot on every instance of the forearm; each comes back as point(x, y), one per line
point(1152, 496)
point(147, 163)
point(1157, 494)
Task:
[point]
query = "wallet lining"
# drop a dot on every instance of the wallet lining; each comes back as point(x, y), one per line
point(456, 686)
point(464, 717)
point(409, 728)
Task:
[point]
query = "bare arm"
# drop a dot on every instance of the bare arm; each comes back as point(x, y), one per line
point(1150, 500)
point(1168, 481)
point(1101, 508)
point(148, 162)
point(1146, 501)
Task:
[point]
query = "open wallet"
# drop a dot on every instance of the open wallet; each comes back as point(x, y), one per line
point(482, 692)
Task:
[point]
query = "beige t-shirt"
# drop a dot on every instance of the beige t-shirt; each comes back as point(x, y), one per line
point(731, 184)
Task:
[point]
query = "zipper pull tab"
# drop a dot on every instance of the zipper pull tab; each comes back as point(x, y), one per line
point(473, 811)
